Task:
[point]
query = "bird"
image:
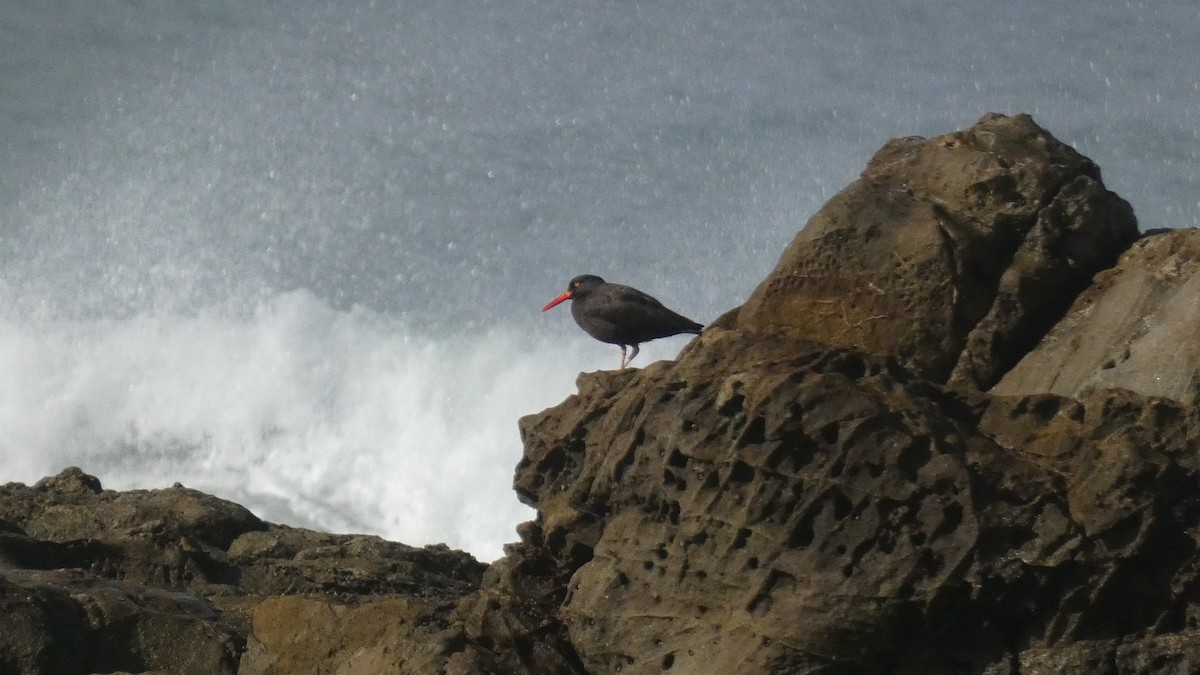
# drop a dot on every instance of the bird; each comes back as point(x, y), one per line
point(621, 315)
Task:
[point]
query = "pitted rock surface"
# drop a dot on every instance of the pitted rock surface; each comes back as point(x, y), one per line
point(831, 513)
point(758, 520)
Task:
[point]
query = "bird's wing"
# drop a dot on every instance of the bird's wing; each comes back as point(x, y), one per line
point(634, 297)
point(636, 316)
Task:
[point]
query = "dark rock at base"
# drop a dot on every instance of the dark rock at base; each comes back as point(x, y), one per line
point(175, 580)
point(65, 621)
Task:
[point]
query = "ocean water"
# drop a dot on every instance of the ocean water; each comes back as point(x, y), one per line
point(294, 253)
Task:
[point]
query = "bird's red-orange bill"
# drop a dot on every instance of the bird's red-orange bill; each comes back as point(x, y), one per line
point(561, 298)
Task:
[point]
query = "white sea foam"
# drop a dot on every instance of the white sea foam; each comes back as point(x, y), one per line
point(342, 420)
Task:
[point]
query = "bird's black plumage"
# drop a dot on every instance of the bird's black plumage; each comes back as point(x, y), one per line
point(621, 315)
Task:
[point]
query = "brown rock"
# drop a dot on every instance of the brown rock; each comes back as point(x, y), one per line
point(72, 505)
point(284, 560)
point(762, 520)
point(955, 254)
point(513, 622)
point(175, 580)
point(71, 622)
point(829, 512)
point(294, 634)
point(44, 631)
point(1134, 328)
point(769, 504)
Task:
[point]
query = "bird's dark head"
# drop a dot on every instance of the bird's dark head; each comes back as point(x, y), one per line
point(578, 287)
point(583, 284)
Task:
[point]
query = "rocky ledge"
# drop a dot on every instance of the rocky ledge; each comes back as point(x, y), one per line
point(953, 432)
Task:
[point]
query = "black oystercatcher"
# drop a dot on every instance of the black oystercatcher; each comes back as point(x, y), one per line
point(620, 315)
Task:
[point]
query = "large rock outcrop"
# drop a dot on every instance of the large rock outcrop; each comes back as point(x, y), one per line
point(829, 512)
point(822, 483)
point(955, 254)
point(772, 503)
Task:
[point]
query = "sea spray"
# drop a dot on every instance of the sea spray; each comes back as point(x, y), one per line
point(308, 415)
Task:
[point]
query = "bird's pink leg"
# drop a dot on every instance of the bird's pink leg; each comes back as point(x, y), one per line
point(633, 354)
point(623, 361)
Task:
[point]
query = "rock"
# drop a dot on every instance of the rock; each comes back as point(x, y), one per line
point(350, 603)
point(71, 480)
point(954, 254)
point(759, 521)
point(44, 630)
point(512, 623)
point(1134, 328)
point(72, 505)
point(293, 634)
point(1177, 653)
point(830, 512)
point(1127, 476)
point(71, 622)
point(175, 580)
point(284, 560)
point(771, 503)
